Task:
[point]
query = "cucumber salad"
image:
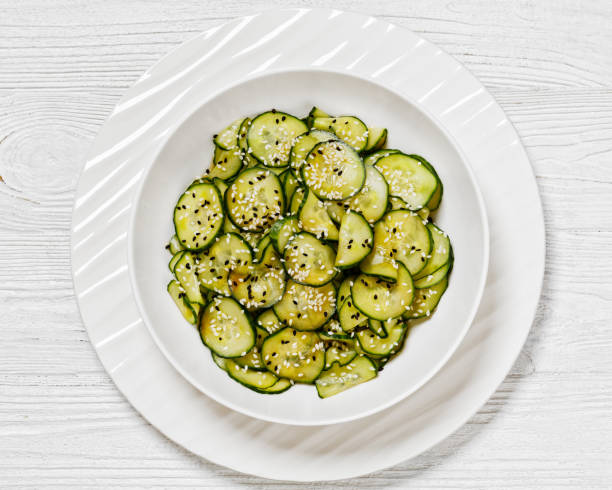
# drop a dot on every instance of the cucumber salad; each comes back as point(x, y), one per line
point(307, 250)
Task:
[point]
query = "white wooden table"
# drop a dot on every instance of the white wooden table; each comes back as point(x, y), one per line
point(63, 66)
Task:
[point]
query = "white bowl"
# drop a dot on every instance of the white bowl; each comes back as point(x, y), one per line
point(188, 151)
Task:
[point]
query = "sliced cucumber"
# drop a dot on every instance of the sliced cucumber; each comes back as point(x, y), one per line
point(174, 245)
point(228, 138)
point(221, 185)
point(226, 163)
point(350, 317)
point(295, 355)
point(409, 179)
point(313, 217)
point(337, 209)
point(334, 171)
point(177, 293)
point(280, 386)
point(437, 276)
point(377, 137)
point(355, 240)
point(305, 307)
point(219, 361)
point(253, 379)
point(382, 346)
point(229, 252)
point(290, 182)
point(440, 251)
point(185, 271)
point(371, 201)
point(400, 236)
point(348, 128)
point(282, 231)
point(379, 328)
point(255, 199)
point(436, 198)
point(338, 351)
point(344, 291)
point(245, 152)
point(263, 285)
point(304, 144)
point(251, 360)
point(381, 300)
point(333, 331)
point(309, 261)
point(175, 258)
point(426, 300)
point(341, 378)
point(315, 112)
point(271, 137)
point(372, 158)
point(261, 246)
point(198, 216)
point(226, 329)
point(269, 322)
point(296, 200)
point(397, 203)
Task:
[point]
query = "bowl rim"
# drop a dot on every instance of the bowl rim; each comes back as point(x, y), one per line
point(482, 216)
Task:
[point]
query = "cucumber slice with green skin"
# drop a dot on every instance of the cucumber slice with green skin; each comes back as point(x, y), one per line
point(333, 331)
point(251, 238)
point(426, 300)
point(372, 158)
point(251, 360)
point(377, 137)
point(219, 361)
point(268, 322)
point(177, 293)
point(313, 217)
point(396, 203)
point(378, 346)
point(400, 236)
point(290, 182)
point(409, 179)
point(436, 198)
point(315, 112)
point(198, 216)
point(261, 246)
point(371, 201)
point(424, 213)
point(228, 138)
point(263, 285)
point(255, 199)
point(350, 317)
point(336, 210)
point(271, 136)
point(341, 378)
point(247, 159)
point(295, 355)
point(226, 163)
point(226, 328)
point(280, 386)
point(185, 271)
point(333, 171)
point(255, 380)
point(341, 352)
point(379, 328)
point(304, 144)
point(381, 300)
point(348, 128)
point(229, 252)
point(355, 240)
point(296, 200)
point(174, 245)
point(344, 291)
point(309, 261)
point(282, 231)
point(175, 258)
point(440, 251)
point(305, 307)
point(437, 276)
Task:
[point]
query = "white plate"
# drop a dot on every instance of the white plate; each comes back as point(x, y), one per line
point(301, 39)
point(188, 151)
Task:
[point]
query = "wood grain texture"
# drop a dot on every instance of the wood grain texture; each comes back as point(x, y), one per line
point(63, 66)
